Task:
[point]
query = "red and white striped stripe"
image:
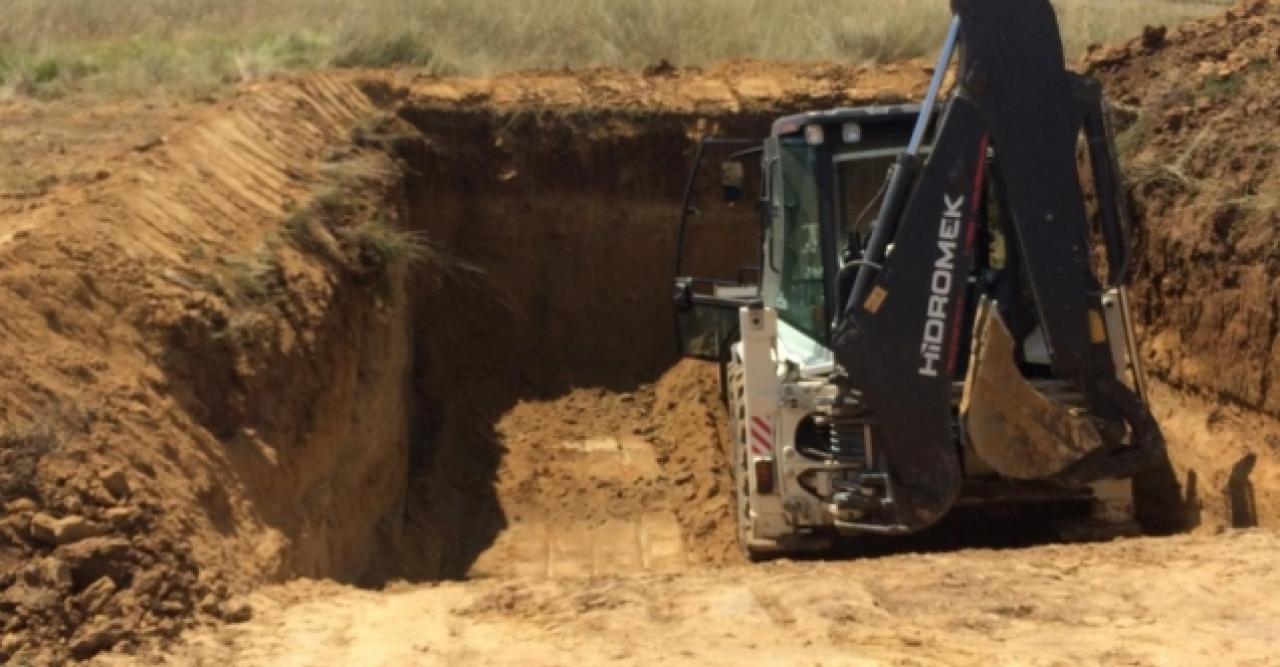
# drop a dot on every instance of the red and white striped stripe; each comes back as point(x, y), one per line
point(761, 437)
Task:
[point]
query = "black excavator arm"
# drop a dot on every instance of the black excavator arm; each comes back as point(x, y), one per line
point(1006, 141)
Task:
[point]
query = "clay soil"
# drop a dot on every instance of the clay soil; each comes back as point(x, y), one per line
point(373, 368)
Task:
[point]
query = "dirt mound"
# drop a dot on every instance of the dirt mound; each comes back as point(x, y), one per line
point(1197, 112)
point(546, 472)
point(692, 435)
point(597, 481)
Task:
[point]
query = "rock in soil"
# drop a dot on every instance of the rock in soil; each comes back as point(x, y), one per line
point(95, 637)
point(93, 598)
point(115, 481)
point(67, 530)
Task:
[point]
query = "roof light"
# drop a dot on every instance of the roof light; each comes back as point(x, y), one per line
point(851, 133)
point(814, 135)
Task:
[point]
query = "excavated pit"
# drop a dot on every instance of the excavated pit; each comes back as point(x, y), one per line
point(547, 349)
point(546, 364)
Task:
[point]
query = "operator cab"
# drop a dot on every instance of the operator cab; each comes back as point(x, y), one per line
point(821, 178)
point(826, 172)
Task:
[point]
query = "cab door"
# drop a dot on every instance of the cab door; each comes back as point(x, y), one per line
point(719, 245)
point(707, 315)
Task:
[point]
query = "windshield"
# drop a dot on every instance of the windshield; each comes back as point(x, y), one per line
point(860, 184)
point(858, 179)
point(801, 299)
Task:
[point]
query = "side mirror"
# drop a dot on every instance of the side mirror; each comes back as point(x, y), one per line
point(733, 179)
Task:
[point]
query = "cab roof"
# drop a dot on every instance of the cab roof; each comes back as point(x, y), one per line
point(866, 114)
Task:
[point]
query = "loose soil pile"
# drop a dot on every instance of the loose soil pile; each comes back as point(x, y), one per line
point(541, 479)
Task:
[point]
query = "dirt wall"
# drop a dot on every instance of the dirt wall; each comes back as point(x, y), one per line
point(1197, 112)
point(562, 227)
point(193, 399)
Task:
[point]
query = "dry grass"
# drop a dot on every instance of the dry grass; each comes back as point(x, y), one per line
point(124, 47)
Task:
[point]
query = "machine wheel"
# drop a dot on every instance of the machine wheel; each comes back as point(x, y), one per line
point(735, 383)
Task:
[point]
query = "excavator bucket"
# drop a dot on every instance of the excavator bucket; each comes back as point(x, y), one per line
point(1014, 428)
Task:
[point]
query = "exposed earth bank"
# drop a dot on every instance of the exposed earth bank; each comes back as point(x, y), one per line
point(1197, 114)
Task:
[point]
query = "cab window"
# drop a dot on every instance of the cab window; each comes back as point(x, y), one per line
point(801, 300)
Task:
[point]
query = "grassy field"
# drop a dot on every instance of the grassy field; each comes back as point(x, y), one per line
point(191, 47)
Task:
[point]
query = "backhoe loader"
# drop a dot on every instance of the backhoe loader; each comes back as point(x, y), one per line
point(938, 311)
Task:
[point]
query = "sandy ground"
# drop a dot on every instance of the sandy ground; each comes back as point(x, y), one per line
point(1179, 601)
point(591, 569)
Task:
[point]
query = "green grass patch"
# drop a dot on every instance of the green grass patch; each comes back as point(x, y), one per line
point(382, 51)
point(379, 243)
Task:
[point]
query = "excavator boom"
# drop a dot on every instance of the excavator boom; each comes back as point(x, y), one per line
point(1004, 155)
point(958, 329)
